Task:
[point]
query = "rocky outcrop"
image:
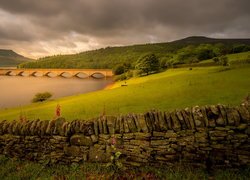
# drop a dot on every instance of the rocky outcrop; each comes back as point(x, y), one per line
point(202, 136)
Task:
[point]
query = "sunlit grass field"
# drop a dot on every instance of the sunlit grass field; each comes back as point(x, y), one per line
point(174, 88)
point(232, 58)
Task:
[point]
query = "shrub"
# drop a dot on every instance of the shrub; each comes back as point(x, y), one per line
point(124, 76)
point(120, 77)
point(216, 59)
point(224, 61)
point(39, 97)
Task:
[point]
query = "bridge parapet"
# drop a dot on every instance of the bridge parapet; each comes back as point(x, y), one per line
point(58, 72)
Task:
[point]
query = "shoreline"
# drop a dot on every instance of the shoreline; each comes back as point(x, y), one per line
point(109, 86)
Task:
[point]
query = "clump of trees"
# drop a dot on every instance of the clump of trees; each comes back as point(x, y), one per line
point(224, 60)
point(40, 97)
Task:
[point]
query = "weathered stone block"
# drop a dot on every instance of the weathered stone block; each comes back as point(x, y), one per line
point(233, 116)
point(149, 121)
point(104, 136)
point(142, 123)
point(128, 136)
point(122, 130)
point(171, 134)
point(58, 126)
point(94, 138)
point(162, 123)
point(156, 121)
point(181, 119)
point(2, 126)
point(168, 119)
point(212, 115)
point(16, 128)
point(244, 114)
point(126, 127)
point(198, 117)
point(201, 137)
point(100, 126)
point(218, 133)
point(74, 127)
point(117, 125)
point(32, 129)
point(81, 140)
point(96, 127)
point(6, 125)
point(111, 124)
point(43, 127)
point(158, 134)
point(242, 127)
point(104, 125)
point(50, 127)
point(187, 116)
point(142, 136)
point(142, 143)
point(131, 123)
point(176, 124)
point(98, 155)
point(159, 142)
point(72, 150)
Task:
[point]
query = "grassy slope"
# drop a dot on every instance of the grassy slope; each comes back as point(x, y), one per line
point(11, 58)
point(175, 88)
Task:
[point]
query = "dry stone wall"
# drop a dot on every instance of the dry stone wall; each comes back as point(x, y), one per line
point(202, 136)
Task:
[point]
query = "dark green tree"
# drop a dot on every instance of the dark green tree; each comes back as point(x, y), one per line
point(119, 69)
point(148, 64)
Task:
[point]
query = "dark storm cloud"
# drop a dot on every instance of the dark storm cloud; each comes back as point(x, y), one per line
point(116, 22)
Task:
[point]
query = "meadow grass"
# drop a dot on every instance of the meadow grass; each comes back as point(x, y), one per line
point(174, 88)
point(17, 169)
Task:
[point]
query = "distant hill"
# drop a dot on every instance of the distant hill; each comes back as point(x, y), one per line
point(174, 52)
point(206, 40)
point(11, 58)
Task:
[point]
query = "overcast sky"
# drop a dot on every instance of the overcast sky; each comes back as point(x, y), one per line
point(37, 28)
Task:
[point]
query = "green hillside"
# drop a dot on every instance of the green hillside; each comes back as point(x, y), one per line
point(10, 58)
point(174, 88)
point(188, 50)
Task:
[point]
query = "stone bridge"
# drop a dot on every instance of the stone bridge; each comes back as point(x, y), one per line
point(80, 73)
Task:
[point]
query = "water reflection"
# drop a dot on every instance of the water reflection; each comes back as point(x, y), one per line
point(17, 91)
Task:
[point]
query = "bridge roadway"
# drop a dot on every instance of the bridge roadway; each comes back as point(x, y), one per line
point(81, 73)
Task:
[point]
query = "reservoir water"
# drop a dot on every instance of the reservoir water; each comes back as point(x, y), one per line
point(17, 91)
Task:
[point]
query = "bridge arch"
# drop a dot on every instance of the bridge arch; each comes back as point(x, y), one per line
point(50, 74)
point(37, 74)
point(23, 73)
point(81, 75)
point(8, 73)
point(97, 75)
point(65, 74)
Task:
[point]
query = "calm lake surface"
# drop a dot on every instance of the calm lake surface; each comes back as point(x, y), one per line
point(16, 91)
